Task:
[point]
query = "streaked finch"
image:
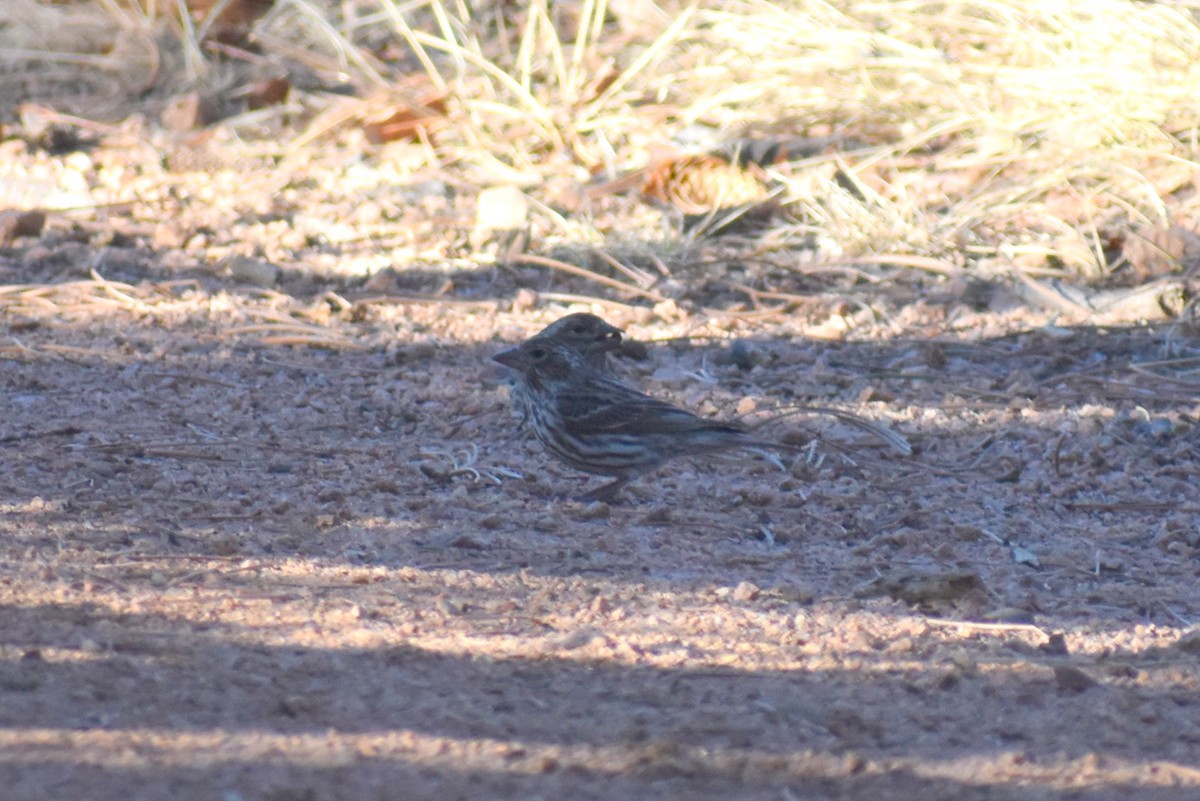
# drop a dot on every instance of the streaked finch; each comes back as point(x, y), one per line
point(596, 424)
point(589, 335)
point(586, 334)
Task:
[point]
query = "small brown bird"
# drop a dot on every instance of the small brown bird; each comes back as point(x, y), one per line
point(596, 424)
point(586, 334)
point(589, 335)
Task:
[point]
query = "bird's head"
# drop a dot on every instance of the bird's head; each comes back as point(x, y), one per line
point(584, 331)
point(542, 360)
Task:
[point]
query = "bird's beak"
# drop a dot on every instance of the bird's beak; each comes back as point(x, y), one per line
point(509, 358)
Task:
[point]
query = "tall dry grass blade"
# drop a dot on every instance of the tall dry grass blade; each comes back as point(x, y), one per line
point(591, 24)
point(189, 41)
point(648, 57)
point(523, 64)
point(406, 31)
point(537, 112)
point(217, 9)
point(449, 36)
point(554, 45)
point(347, 52)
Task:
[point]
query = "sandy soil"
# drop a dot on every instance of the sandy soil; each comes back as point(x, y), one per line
point(268, 536)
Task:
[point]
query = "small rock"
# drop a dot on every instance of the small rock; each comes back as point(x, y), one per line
point(948, 679)
point(797, 593)
point(1024, 556)
point(524, 300)
point(968, 533)
point(596, 510)
point(369, 213)
point(467, 543)
point(578, 639)
point(1072, 679)
point(500, 208)
point(454, 607)
point(167, 236)
point(667, 310)
point(746, 591)
point(1056, 645)
point(16, 224)
point(848, 723)
point(1007, 614)
point(744, 354)
point(294, 706)
point(1189, 643)
point(924, 588)
point(188, 112)
point(658, 516)
point(252, 271)
point(293, 239)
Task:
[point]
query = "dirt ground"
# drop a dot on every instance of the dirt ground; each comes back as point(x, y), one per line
point(274, 536)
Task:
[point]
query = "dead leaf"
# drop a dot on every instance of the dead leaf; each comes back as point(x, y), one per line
point(407, 120)
point(269, 92)
point(234, 18)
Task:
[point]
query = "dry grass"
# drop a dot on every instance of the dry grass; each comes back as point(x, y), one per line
point(985, 128)
point(982, 134)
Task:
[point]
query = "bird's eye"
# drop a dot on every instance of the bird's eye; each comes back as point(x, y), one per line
point(579, 329)
point(538, 353)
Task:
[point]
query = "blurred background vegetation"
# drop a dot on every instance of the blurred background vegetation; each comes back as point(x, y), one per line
point(634, 150)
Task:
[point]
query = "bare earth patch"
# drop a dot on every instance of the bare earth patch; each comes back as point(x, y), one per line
point(233, 569)
point(268, 532)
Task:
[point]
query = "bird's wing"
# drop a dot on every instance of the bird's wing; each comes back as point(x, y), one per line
point(612, 408)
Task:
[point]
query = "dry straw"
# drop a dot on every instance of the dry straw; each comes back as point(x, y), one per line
point(980, 129)
point(1038, 132)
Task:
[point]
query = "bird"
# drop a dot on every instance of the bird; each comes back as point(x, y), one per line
point(588, 335)
point(592, 422)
